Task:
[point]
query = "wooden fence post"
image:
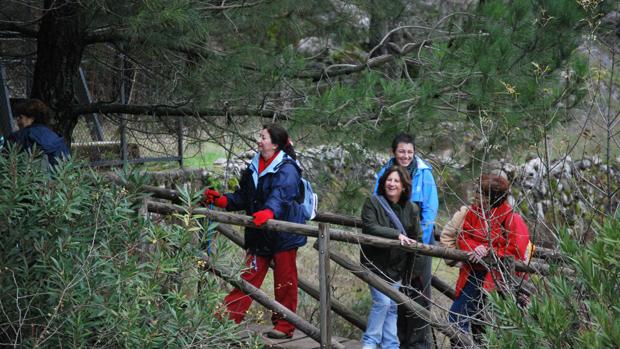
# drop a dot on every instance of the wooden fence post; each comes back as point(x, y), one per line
point(313, 291)
point(324, 285)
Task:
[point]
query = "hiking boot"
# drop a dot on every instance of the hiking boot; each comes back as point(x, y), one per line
point(275, 334)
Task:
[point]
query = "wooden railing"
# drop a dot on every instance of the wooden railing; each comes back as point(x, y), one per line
point(324, 234)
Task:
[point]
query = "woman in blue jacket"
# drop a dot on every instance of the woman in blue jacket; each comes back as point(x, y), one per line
point(269, 189)
point(31, 116)
point(413, 331)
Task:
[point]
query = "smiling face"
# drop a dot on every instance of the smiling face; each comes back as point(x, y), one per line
point(393, 187)
point(404, 154)
point(265, 147)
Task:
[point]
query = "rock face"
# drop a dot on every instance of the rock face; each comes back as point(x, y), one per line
point(563, 193)
point(317, 161)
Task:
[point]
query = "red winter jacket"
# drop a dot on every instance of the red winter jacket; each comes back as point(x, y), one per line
point(503, 228)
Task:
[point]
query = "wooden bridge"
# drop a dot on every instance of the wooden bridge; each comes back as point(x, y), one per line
point(308, 336)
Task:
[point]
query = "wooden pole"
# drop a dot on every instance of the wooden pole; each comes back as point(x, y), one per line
point(375, 281)
point(324, 285)
point(338, 308)
point(346, 236)
point(262, 298)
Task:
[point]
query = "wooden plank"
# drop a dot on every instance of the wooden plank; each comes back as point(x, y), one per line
point(324, 286)
point(262, 298)
point(347, 236)
point(336, 306)
point(299, 340)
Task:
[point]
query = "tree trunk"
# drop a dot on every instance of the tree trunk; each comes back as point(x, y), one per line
point(59, 53)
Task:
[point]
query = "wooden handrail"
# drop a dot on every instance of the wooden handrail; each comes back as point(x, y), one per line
point(346, 236)
point(323, 217)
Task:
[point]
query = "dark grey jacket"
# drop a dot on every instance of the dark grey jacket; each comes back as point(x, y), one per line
point(388, 263)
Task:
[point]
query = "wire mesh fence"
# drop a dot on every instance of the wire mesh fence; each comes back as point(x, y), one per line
point(128, 139)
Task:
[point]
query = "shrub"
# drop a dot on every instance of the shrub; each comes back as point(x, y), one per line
point(568, 311)
point(80, 267)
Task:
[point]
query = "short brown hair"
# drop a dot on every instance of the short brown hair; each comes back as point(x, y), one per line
point(32, 107)
point(405, 179)
point(495, 187)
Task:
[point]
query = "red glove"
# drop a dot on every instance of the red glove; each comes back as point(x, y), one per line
point(262, 216)
point(214, 197)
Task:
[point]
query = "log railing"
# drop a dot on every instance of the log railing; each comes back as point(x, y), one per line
point(323, 336)
point(362, 273)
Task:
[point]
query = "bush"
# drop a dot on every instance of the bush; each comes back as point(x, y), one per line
point(80, 267)
point(569, 311)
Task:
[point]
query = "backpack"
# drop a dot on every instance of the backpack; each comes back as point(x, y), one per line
point(308, 200)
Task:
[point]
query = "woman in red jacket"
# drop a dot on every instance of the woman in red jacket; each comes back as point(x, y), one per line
point(491, 227)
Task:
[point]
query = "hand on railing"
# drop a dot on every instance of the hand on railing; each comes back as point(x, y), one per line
point(478, 253)
point(405, 240)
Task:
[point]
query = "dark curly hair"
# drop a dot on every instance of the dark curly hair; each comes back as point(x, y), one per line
point(31, 107)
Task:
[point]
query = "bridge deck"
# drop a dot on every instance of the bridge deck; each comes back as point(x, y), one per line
point(299, 340)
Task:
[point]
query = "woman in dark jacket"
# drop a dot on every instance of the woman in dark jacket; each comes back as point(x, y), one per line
point(31, 116)
point(381, 216)
point(269, 189)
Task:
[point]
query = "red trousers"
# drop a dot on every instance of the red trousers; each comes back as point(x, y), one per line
point(284, 285)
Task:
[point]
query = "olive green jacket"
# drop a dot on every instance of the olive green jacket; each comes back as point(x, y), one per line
point(388, 263)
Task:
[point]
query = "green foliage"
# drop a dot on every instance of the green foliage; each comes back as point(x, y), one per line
point(569, 311)
point(80, 267)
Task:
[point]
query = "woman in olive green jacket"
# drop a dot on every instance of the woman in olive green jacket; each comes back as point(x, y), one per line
point(391, 215)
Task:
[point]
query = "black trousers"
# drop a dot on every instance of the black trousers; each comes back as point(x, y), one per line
point(413, 331)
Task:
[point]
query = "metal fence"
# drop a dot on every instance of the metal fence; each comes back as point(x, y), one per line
point(108, 140)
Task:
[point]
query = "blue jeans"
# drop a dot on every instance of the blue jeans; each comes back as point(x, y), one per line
point(381, 329)
point(468, 303)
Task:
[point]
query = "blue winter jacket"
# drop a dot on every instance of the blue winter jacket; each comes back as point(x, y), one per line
point(423, 193)
point(277, 189)
point(44, 138)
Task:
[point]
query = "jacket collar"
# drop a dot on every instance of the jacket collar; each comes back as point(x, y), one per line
point(273, 167)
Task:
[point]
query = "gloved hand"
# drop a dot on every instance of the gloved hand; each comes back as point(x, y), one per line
point(262, 216)
point(214, 197)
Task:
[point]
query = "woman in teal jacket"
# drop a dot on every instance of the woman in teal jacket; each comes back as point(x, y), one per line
point(414, 332)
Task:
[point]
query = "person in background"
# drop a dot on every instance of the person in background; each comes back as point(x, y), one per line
point(388, 214)
point(268, 190)
point(413, 331)
point(490, 226)
point(31, 117)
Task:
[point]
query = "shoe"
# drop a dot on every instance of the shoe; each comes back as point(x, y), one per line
point(275, 334)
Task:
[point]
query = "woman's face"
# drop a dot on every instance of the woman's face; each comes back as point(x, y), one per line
point(265, 147)
point(404, 154)
point(24, 121)
point(481, 199)
point(393, 187)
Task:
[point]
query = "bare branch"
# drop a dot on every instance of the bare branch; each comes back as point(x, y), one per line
point(330, 71)
point(171, 110)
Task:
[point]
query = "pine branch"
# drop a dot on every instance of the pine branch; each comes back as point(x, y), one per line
point(106, 108)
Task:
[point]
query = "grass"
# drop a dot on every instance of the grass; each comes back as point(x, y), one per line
point(202, 155)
